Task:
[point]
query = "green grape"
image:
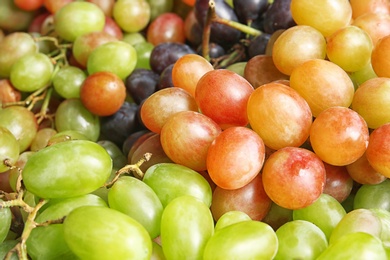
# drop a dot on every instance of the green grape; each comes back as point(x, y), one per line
point(384, 217)
point(238, 67)
point(244, 240)
point(14, 46)
point(68, 80)
point(66, 135)
point(157, 253)
point(21, 122)
point(356, 246)
point(158, 7)
point(48, 242)
point(131, 15)
point(94, 232)
point(78, 18)
point(373, 196)
point(300, 239)
point(31, 72)
point(9, 149)
point(133, 38)
point(144, 50)
point(6, 246)
point(231, 217)
point(326, 212)
point(117, 57)
point(67, 169)
point(137, 200)
point(186, 226)
point(5, 220)
point(72, 115)
point(357, 220)
point(170, 180)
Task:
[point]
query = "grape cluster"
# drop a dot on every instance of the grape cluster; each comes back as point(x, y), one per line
point(194, 129)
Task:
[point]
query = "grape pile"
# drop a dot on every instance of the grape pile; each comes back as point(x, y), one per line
point(194, 129)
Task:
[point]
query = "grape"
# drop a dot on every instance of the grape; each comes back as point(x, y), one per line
point(243, 240)
point(170, 180)
point(119, 160)
point(150, 145)
point(112, 28)
point(48, 241)
point(72, 115)
point(138, 141)
point(68, 80)
point(125, 196)
point(357, 220)
point(8, 93)
point(186, 226)
point(370, 196)
point(31, 72)
point(261, 70)
point(357, 245)
point(141, 83)
point(78, 18)
point(9, 149)
point(6, 219)
point(132, 139)
point(238, 67)
point(326, 212)
point(14, 19)
point(194, 67)
point(21, 122)
point(309, 240)
point(131, 15)
point(164, 103)
point(30, 5)
point(278, 16)
point(378, 149)
point(360, 7)
point(88, 230)
point(233, 148)
point(296, 45)
point(361, 76)
point(362, 172)
point(339, 136)
point(250, 199)
point(276, 107)
point(166, 54)
point(84, 44)
point(257, 45)
point(54, 5)
point(133, 38)
point(379, 57)
point(74, 167)
point(117, 57)
point(249, 10)
point(120, 125)
point(293, 177)
point(103, 93)
point(165, 80)
point(227, 105)
point(339, 183)
point(277, 216)
point(157, 252)
point(192, 29)
point(12, 48)
point(6, 246)
point(144, 50)
point(322, 84)
point(41, 139)
point(326, 16)
point(167, 27)
point(158, 7)
point(186, 137)
point(349, 47)
point(377, 25)
point(230, 218)
point(219, 33)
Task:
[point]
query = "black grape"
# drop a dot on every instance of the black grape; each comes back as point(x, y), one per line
point(215, 50)
point(249, 10)
point(278, 16)
point(141, 83)
point(219, 33)
point(166, 78)
point(117, 127)
point(167, 53)
point(258, 45)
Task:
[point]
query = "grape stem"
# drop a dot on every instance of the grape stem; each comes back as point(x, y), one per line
point(134, 168)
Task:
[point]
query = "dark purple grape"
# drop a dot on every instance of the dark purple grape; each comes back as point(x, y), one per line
point(278, 16)
point(215, 50)
point(141, 83)
point(166, 78)
point(258, 45)
point(117, 127)
point(167, 53)
point(219, 33)
point(249, 10)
